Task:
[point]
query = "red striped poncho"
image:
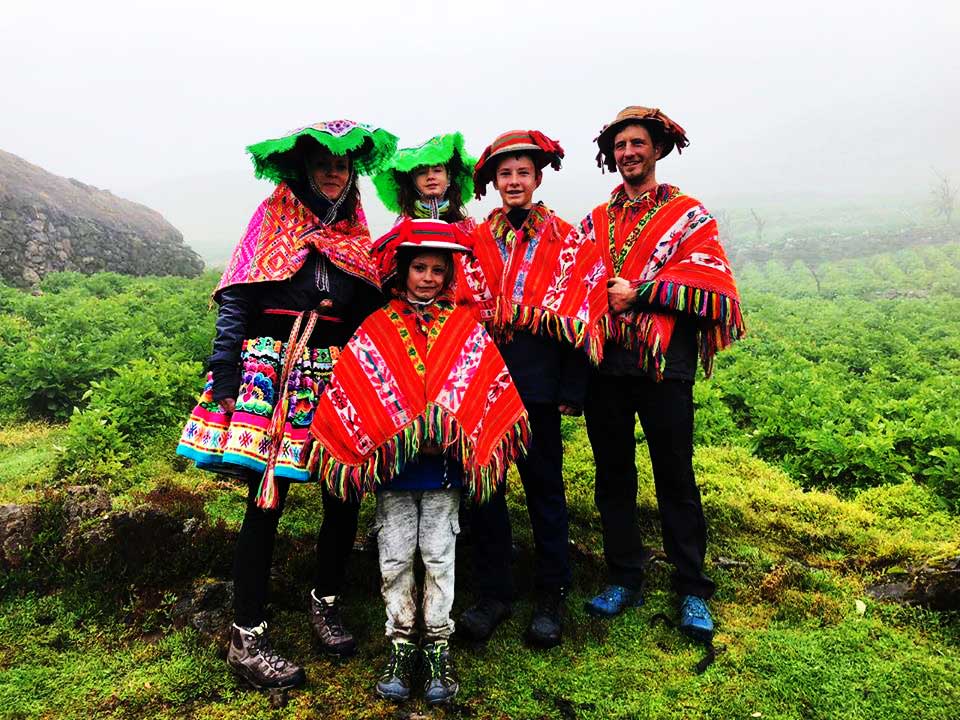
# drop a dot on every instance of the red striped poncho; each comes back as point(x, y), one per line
point(669, 248)
point(544, 278)
point(406, 379)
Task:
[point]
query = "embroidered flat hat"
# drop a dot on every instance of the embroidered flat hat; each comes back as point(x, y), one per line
point(542, 149)
point(424, 234)
point(369, 147)
point(671, 133)
point(447, 150)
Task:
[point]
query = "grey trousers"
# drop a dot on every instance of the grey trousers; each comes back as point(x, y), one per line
point(405, 521)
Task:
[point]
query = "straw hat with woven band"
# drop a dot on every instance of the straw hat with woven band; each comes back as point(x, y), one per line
point(534, 143)
point(671, 133)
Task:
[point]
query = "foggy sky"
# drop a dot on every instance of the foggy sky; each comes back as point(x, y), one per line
point(156, 101)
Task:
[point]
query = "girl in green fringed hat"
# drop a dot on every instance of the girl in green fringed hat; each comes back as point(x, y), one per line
point(433, 180)
point(296, 287)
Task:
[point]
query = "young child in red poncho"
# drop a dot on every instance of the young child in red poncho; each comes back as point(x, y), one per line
point(419, 407)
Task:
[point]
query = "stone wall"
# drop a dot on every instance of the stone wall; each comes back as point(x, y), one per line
point(49, 223)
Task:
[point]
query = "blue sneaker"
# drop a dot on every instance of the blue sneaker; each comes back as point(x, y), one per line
point(613, 600)
point(695, 619)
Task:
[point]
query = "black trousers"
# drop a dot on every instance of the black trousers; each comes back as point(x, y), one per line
point(542, 478)
point(665, 410)
point(254, 552)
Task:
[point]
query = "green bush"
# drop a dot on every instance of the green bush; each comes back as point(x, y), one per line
point(84, 327)
point(847, 393)
point(144, 403)
point(148, 401)
point(95, 450)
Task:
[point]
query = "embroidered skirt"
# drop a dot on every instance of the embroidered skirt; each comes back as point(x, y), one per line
point(242, 441)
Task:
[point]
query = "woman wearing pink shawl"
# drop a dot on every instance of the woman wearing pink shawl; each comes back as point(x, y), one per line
point(296, 287)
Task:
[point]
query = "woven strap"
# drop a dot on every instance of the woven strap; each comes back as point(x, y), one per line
point(296, 345)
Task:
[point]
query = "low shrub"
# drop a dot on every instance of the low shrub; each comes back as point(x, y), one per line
point(148, 401)
point(95, 450)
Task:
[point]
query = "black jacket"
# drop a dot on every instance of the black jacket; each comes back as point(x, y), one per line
point(546, 370)
point(680, 361)
point(241, 313)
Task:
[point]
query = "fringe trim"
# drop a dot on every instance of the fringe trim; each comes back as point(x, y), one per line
point(436, 425)
point(380, 149)
point(435, 153)
point(546, 322)
point(438, 150)
point(722, 311)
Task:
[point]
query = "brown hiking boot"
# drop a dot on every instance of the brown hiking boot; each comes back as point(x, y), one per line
point(328, 627)
point(253, 658)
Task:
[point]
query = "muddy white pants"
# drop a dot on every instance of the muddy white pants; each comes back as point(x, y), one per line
point(408, 520)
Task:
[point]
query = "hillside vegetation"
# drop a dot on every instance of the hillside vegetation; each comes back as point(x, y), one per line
point(827, 457)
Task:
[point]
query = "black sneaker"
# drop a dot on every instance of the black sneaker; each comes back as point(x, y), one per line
point(395, 681)
point(441, 684)
point(480, 620)
point(253, 658)
point(546, 625)
point(328, 627)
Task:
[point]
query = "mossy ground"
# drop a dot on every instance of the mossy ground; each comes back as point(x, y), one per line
point(791, 566)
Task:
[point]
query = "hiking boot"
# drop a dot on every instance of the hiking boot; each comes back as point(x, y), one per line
point(328, 627)
point(613, 600)
point(394, 683)
point(253, 658)
point(441, 684)
point(480, 620)
point(546, 624)
point(695, 619)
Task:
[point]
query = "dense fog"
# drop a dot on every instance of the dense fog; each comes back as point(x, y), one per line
point(817, 109)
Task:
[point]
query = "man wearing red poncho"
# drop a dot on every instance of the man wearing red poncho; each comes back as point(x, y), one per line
point(671, 297)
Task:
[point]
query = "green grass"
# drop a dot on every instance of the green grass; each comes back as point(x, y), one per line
point(28, 458)
point(62, 658)
point(797, 645)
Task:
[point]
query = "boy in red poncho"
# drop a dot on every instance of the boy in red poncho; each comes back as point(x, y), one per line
point(539, 287)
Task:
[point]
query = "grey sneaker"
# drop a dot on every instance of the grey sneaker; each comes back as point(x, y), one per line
point(253, 658)
point(397, 676)
point(328, 627)
point(441, 684)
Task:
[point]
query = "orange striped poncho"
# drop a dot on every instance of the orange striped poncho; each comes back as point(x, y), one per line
point(543, 278)
point(667, 245)
point(408, 378)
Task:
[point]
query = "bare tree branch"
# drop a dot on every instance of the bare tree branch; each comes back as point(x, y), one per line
point(944, 196)
point(759, 223)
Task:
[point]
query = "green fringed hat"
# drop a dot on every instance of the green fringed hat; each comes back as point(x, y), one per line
point(370, 148)
point(438, 150)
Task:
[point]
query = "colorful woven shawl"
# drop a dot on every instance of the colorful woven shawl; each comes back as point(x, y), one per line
point(280, 235)
point(406, 379)
point(667, 245)
point(545, 279)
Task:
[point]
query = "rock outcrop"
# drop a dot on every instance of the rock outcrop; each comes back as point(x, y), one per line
point(49, 223)
point(17, 533)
